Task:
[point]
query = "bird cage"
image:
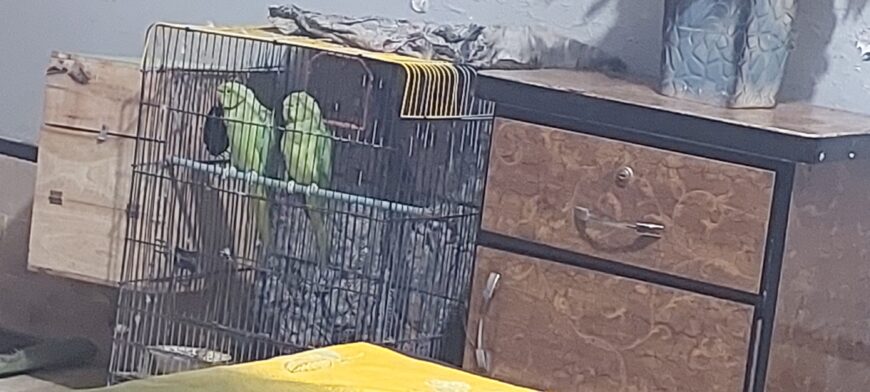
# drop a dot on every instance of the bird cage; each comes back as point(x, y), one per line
point(289, 193)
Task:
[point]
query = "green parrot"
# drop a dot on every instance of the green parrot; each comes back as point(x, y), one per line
point(249, 132)
point(307, 151)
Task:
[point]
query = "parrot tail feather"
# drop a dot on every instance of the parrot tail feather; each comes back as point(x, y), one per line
point(261, 214)
point(321, 235)
point(323, 245)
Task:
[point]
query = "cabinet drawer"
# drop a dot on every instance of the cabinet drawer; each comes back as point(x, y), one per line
point(561, 328)
point(581, 193)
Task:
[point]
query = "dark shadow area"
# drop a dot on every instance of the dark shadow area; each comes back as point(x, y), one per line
point(636, 34)
point(35, 307)
point(11, 341)
point(814, 30)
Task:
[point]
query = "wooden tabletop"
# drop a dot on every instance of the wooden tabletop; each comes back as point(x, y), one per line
point(813, 130)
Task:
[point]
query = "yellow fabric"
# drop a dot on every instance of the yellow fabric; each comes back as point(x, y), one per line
point(355, 367)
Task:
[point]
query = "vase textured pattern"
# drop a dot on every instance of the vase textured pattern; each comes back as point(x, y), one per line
point(729, 53)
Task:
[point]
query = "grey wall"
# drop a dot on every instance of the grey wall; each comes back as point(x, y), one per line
point(824, 68)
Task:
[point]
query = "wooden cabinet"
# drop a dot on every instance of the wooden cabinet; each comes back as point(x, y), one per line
point(86, 148)
point(634, 242)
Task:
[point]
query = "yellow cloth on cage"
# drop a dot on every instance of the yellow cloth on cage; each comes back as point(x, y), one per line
point(355, 367)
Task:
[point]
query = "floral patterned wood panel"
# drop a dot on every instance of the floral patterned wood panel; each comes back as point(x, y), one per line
point(714, 215)
point(561, 328)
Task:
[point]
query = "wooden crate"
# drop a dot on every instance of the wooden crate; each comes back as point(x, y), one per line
point(86, 148)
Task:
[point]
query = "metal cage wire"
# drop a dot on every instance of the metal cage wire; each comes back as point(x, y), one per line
point(289, 193)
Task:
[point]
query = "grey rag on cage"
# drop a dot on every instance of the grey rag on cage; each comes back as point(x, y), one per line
point(483, 47)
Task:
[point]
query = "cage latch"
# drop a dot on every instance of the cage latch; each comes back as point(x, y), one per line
point(483, 357)
point(104, 134)
point(583, 215)
point(55, 197)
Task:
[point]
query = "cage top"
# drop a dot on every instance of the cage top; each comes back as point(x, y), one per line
point(434, 89)
point(270, 34)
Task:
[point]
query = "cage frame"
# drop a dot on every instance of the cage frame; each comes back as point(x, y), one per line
point(416, 91)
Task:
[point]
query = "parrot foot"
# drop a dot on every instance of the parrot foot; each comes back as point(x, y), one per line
point(230, 170)
point(313, 188)
point(291, 186)
point(251, 176)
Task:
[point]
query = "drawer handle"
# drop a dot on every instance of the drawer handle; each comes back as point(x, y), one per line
point(482, 356)
point(583, 215)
